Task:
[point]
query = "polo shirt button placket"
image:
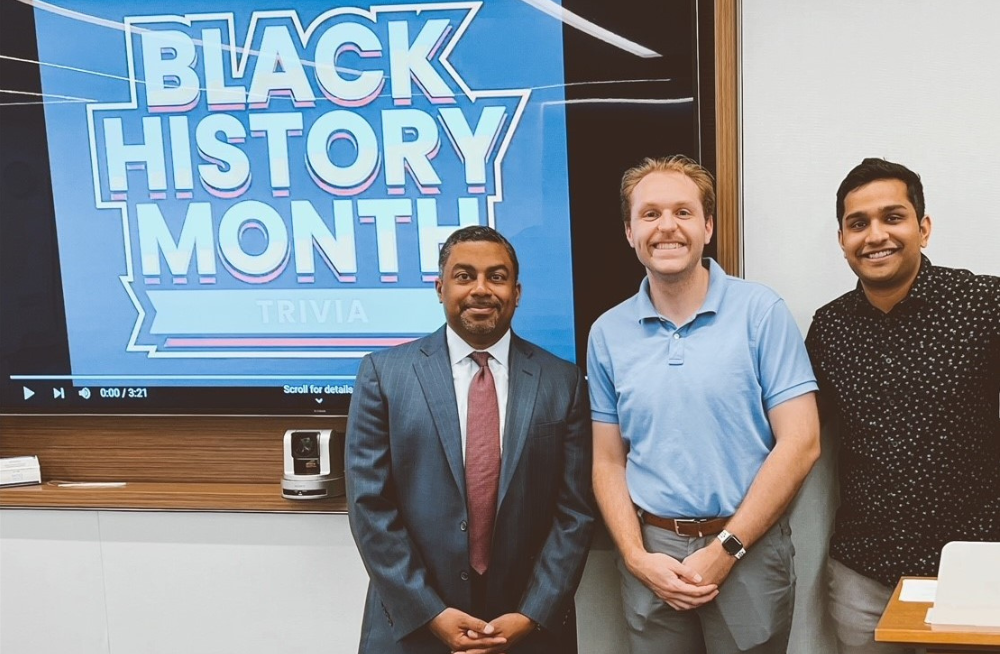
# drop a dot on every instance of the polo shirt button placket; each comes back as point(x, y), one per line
point(676, 349)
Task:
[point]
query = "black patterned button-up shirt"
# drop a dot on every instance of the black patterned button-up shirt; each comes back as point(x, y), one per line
point(916, 391)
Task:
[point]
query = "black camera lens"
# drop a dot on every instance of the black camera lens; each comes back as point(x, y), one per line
point(305, 444)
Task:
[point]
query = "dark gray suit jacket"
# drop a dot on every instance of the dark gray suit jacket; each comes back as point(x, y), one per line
point(407, 504)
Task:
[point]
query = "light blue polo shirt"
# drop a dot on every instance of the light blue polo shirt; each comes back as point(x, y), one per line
point(692, 400)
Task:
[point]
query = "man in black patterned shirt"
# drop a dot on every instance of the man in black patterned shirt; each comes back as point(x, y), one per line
point(909, 361)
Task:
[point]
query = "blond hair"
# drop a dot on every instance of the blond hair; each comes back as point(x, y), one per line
point(677, 163)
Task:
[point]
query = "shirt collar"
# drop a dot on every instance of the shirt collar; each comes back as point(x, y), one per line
point(458, 349)
point(717, 279)
point(922, 291)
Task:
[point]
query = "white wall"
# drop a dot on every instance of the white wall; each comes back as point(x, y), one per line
point(109, 582)
point(140, 582)
point(51, 583)
point(826, 83)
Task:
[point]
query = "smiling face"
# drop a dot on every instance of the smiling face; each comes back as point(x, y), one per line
point(882, 236)
point(479, 292)
point(667, 225)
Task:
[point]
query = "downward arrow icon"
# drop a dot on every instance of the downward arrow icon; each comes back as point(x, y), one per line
point(319, 400)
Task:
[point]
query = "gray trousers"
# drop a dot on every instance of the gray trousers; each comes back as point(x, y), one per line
point(752, 612)
point(856, 604)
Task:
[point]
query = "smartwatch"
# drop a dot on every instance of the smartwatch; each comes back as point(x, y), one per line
point(732, 544)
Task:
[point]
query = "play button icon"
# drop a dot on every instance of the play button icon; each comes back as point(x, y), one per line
point(27, 392)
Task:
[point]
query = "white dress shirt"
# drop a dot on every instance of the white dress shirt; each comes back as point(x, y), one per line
point(463, 369)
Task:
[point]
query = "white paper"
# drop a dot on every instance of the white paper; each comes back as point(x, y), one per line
point(918, 590)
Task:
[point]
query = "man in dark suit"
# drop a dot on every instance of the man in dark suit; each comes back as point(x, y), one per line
point(473, 542)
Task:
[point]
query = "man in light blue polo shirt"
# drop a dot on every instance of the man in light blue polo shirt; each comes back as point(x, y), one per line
point(705, 425)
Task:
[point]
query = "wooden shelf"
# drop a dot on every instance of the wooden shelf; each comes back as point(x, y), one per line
point(167, 497)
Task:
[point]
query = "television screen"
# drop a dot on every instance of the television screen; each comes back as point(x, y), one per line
point(216, 210)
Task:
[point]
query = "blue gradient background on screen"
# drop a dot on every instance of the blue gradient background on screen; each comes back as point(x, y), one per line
point(507, 46)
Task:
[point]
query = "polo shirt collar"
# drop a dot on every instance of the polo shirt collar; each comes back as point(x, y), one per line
point(717, 280)
point(644, 304)
point(713, 299)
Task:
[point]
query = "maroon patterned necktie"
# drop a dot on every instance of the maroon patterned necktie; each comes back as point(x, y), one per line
point(482, 461)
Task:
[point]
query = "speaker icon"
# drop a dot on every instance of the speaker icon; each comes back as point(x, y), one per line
point(84, 393)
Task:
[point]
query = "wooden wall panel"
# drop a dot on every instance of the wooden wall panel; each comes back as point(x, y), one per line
point(207, 449)
point(729, 218)
point(169, 457)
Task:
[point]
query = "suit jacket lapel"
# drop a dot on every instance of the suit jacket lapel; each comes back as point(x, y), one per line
point(523, 388)
point(434, 373)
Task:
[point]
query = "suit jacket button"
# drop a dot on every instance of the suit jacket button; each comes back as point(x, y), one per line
point(464, 525)
point(464, 575)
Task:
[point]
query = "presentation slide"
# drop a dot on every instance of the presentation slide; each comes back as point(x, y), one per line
point(258, 196)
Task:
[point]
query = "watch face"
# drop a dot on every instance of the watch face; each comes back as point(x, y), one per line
point(732, 545)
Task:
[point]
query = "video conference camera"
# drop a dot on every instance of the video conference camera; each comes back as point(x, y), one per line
point(314, 464)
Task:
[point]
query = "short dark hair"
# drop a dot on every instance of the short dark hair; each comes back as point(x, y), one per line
point(475, 233)
point(871, 170)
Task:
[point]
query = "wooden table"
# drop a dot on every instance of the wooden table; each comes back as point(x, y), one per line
point(903, 622)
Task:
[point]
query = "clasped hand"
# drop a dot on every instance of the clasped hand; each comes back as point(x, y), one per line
point(466, 634)
point(687, 584)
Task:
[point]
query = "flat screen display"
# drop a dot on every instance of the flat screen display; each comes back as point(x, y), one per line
point(210, 209)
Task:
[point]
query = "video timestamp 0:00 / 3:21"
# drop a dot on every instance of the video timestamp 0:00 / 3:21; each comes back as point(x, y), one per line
point(127, 392)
